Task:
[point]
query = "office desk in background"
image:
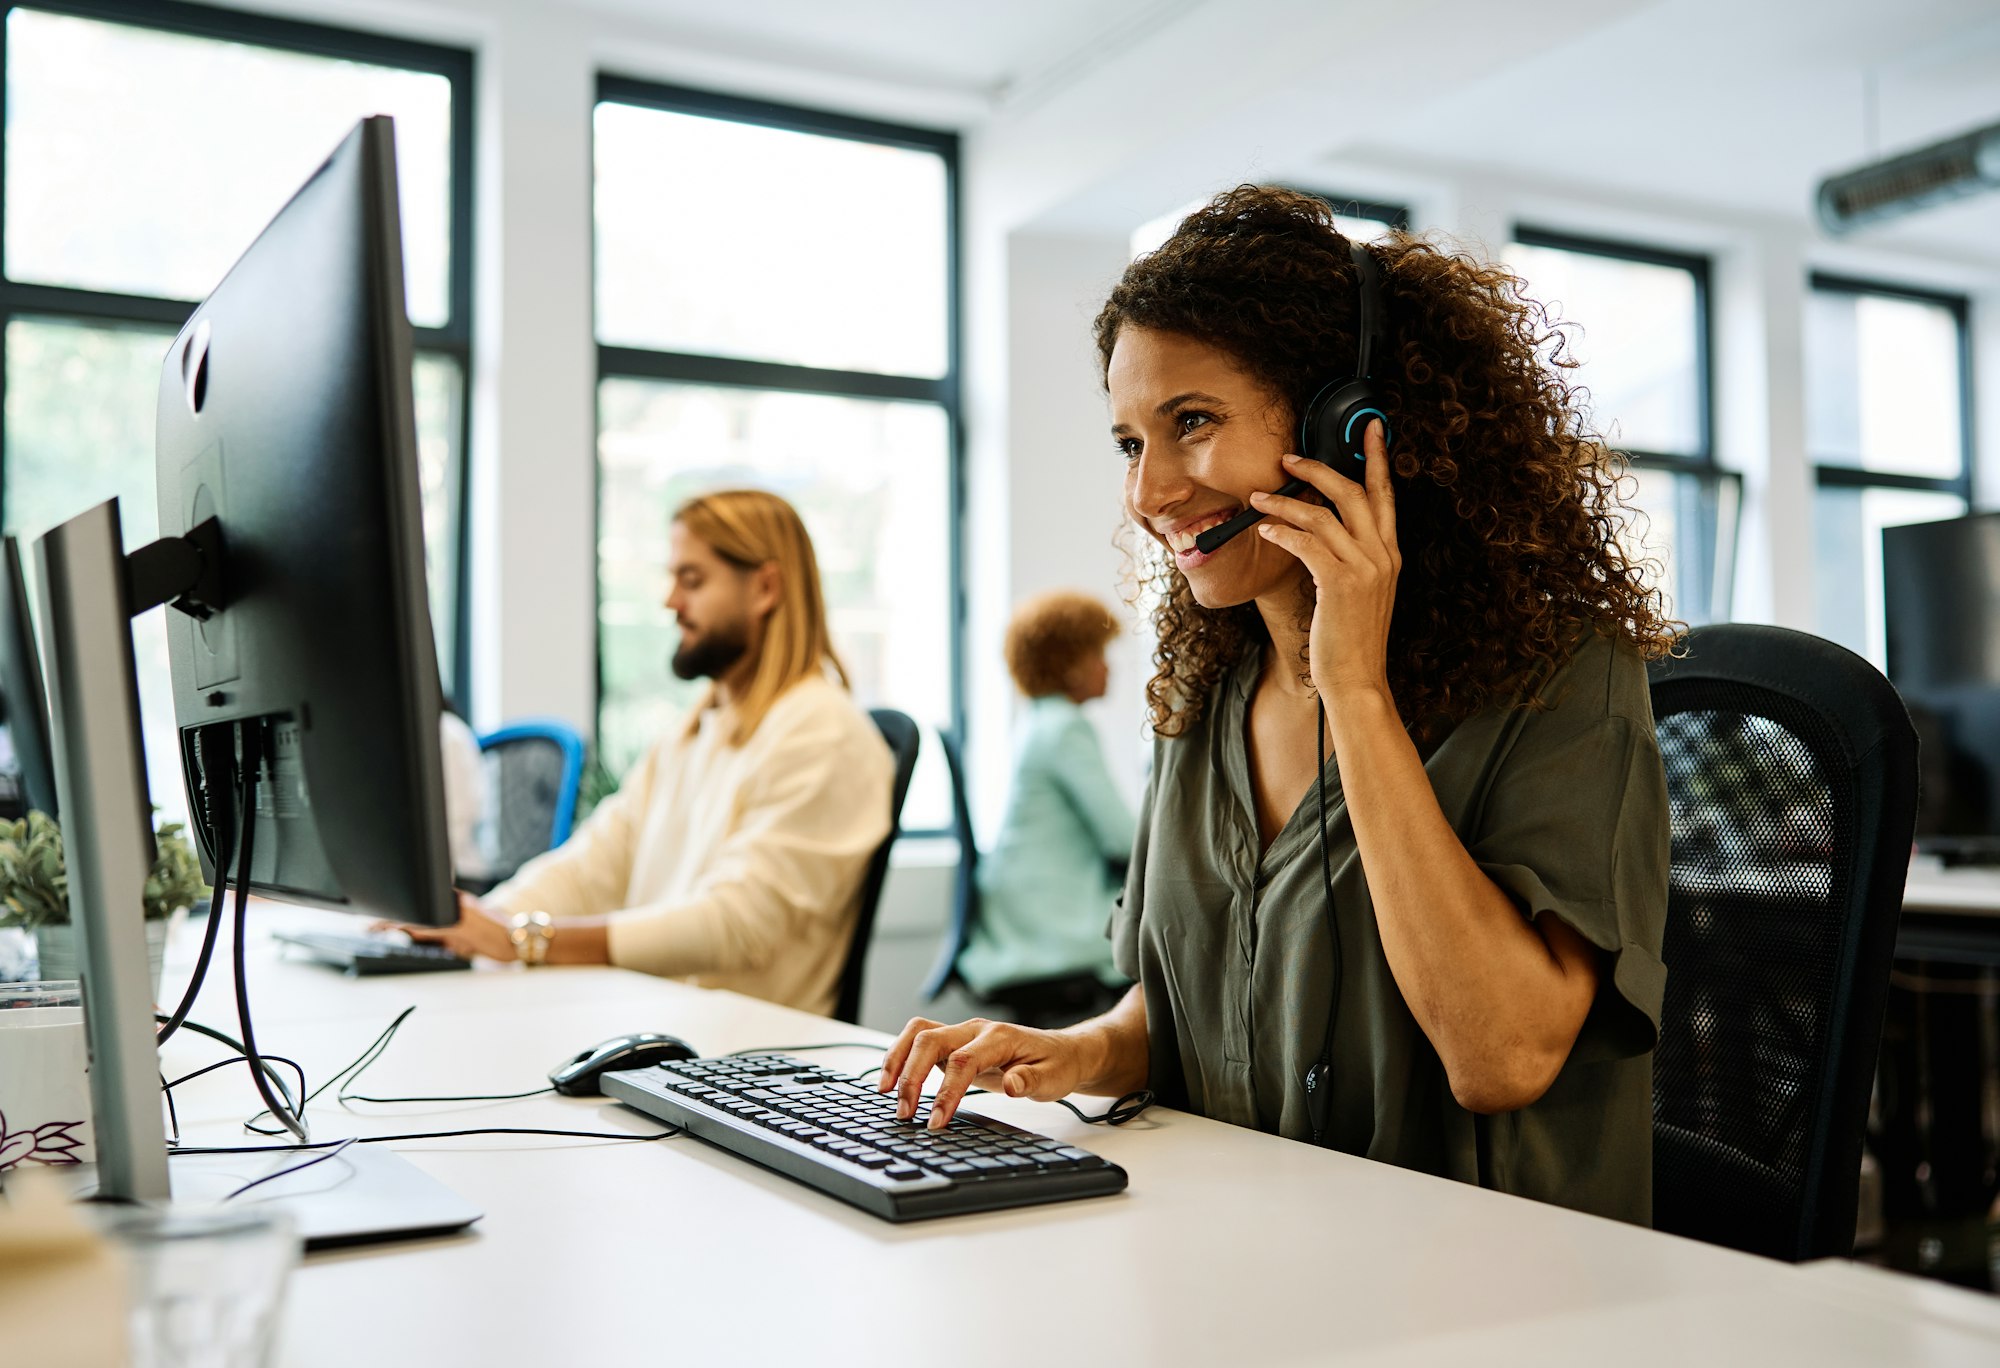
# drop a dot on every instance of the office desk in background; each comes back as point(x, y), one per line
point(1933, 1132)
point(1951, 914)
point(1230, 1246)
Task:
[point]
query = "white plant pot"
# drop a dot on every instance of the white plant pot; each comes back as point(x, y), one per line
point(56, 949)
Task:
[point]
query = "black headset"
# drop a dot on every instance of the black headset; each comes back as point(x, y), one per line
point(1335, 420)
point(1331, 431)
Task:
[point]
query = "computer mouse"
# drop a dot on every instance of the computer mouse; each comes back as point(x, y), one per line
point(641, 1050)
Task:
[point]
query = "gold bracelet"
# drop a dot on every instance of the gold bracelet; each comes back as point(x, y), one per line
point(532, 934)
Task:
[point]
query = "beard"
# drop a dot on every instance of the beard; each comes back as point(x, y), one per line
point(712, 654)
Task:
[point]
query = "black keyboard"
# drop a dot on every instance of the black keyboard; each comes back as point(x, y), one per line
point(842, 1137)
point(372, 954)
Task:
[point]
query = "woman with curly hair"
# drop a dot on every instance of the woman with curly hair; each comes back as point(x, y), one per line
point(1046, 886)
point(1441, 948)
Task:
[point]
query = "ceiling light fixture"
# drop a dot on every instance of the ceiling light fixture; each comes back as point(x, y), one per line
point(1944, 171)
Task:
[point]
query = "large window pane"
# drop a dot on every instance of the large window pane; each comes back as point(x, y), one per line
point(1637, 335)
point(870, 479)
point(145, 162)
point(1883, 386)
point(440, 390)
point(80, 407)
point(1848, 568)
point(79, 423)
point(1685, 524)
point(733, 239)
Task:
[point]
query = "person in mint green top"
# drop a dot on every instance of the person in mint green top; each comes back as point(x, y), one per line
point(1046, 886)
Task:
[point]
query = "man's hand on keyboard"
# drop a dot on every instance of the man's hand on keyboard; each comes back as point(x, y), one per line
point(997, 1055)
point(477, 932)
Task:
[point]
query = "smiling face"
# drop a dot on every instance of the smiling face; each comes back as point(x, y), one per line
point(1199, 436)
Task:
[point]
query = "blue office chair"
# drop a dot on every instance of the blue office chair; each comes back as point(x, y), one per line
point(534, 770)
point(901, 734)
point(1792, 780)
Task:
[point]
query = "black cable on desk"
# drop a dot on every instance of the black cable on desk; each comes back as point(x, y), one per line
point(253, 754)
point(666, 1134)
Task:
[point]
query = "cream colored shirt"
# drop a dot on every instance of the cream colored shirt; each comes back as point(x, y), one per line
point(732, 867)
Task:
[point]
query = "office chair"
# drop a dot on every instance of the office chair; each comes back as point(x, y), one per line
point(965, 888)
point(1792, 781)
point(1051, 1002)
point(901, 734)
point(533, 770)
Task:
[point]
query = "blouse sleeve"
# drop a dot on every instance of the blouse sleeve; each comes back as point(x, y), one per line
point(1576, 825)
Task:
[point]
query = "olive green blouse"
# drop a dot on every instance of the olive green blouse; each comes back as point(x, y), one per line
point(1564, 807)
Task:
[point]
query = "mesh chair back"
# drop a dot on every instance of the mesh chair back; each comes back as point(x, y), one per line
point(1791, 776)
point(965, 892)
point(901, 734)
point(533, 772)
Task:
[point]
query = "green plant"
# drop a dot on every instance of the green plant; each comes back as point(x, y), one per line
point(597, 784)
point(34, 885)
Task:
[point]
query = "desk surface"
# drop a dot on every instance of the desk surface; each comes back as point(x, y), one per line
point(1230, 1245)
point(1967, 891)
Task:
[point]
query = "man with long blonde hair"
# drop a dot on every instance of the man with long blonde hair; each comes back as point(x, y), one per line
point(732, 856)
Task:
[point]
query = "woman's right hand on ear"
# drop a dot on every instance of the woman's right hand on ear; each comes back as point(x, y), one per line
point(996, 1055)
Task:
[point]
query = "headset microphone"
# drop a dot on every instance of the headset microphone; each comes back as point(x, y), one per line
point(1336, 419)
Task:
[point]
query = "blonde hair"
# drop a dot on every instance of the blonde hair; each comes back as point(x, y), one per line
point(750, 528)
point(1050, 635)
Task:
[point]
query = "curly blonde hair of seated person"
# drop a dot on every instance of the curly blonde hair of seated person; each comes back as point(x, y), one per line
point(1509, 508)
point(1050, 635)
point(748, 528)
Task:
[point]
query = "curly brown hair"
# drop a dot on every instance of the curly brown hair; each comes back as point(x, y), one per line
point(1050, 635)
point(1508, 506)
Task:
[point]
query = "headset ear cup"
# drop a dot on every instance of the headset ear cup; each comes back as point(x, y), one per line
point(1335, 423)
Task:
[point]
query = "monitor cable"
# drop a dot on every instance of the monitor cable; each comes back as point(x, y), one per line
point(221, 841)
point(350, 1072)
point(252, 735)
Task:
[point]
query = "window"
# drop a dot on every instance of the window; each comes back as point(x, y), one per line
point(776, 294)
point(1362, 220)
point(1888, 426)
point(133, 179)
point(1641, 336)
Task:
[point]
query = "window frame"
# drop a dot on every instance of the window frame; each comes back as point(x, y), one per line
point(1397, 216)
point(453, 339)
point(643, 363)
point(1717, 491)
point(1839, 475)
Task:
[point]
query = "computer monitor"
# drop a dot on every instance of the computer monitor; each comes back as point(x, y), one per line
point(28, 768)
point(1941, 610)
point(292, 553)
point(285, 413)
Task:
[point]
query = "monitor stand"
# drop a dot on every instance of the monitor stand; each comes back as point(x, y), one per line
point(362, 1195)
point(90, 590)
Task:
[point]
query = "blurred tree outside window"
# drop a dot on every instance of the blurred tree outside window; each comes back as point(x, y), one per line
point(119, 220)
point(810, 358)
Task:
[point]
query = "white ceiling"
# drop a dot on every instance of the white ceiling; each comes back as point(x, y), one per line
point(1736, 105)
point(982, 49)
point(1743, 106)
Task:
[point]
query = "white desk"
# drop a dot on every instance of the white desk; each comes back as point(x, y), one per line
point(1973, 892)
point(1230, 1246)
